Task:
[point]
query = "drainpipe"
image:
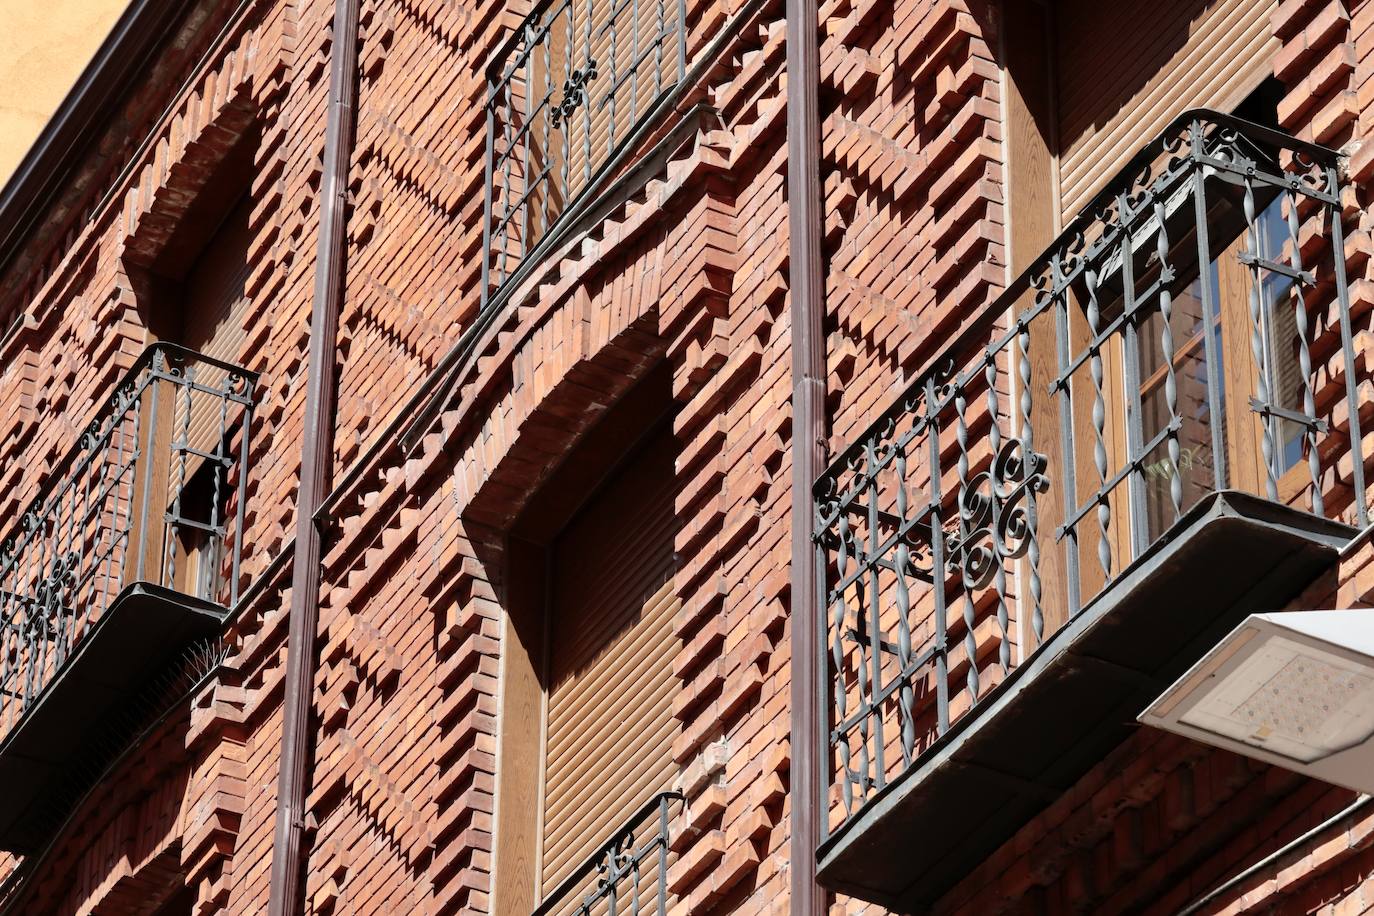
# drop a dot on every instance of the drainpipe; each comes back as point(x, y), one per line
point(317, 455)
point(808, 444)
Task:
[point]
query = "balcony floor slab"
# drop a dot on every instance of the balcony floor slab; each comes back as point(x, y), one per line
point(140, 634)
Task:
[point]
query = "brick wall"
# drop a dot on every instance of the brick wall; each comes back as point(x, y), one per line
point(690, 267)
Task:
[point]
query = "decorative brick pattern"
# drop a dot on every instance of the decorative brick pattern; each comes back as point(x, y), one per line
point(688, 264)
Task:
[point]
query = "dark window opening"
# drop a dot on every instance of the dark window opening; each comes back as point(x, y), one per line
point(182, 903)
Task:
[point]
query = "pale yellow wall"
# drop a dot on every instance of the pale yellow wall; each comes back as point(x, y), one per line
point(44, 46)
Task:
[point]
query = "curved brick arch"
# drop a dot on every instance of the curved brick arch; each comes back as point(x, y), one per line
point(159, 207)
point(578, 361)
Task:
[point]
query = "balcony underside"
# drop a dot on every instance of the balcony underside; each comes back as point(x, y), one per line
point(40, 759)
point(1076, 698)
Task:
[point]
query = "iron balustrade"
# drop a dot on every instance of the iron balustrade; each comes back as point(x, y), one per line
point(628, 873)
point(152, 493)
point(1190, 331)
point(571, 84)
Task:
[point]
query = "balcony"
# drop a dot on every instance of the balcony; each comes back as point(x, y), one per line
point(574, 83)
point(1148, 436)
point(127, 556)
point(628, 873)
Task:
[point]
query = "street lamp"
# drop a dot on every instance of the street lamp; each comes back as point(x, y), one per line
point(1293, 688)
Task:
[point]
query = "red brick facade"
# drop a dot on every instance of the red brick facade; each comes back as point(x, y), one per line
point(691, 268)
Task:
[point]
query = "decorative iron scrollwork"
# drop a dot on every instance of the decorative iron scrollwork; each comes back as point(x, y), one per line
point(617, 858)
point(86, 533)
point(996, 514)
point(48, 597)
point(574, 93)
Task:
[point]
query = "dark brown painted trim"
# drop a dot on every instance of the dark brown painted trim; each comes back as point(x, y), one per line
point(807, 288)
point(317, 457)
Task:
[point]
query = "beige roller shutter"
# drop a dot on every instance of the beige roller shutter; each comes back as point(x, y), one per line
point(216, 306)
point(611, 647)
point(1125, 69)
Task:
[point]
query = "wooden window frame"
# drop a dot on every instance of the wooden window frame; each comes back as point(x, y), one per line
point(1239, 375)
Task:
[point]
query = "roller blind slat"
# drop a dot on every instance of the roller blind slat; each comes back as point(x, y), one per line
point(1126, 69)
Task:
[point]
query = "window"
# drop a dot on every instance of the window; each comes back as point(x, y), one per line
point(213, 320)
point(1232, 330)
point(195, 296)
point(1260, 386)
point(587, 729)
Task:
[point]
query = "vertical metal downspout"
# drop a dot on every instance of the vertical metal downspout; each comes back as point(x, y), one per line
point(808, 445)
point(317, 455)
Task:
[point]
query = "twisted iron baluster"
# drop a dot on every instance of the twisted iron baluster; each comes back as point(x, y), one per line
point(874, 611)
point(9, 633)
point(937, 556)
point(507, 183)
point(54, 585)
point(863, 774)
point(1333, 184)
point(565, 124)
point(45, 592)
point(634, 883)
point(1309, 400)
point(1056, 299)
point(1104, 511)
point(1166, 340)
point(15, 625)
point(70, 559)
point(1210, 345)
point(614, 57)
point(662, 31)
point(634, 60)
point(587, 109)
point(837, 656)
point(1023, 340)
point(219, 479)
point(546, 201)
point(999, 566)
point(136, 452)
point(527, 164)
point(907, 701)
point(32, 619)
point(38, 603)
point(182, 450)
point(663, 855)
point(1257, 347)
point(88, 539)
point(965, 541)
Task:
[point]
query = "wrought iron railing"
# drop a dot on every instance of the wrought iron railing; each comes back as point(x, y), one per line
point(1190, 331)
point(628, 873)
point(564, 91)
point(151, 493)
